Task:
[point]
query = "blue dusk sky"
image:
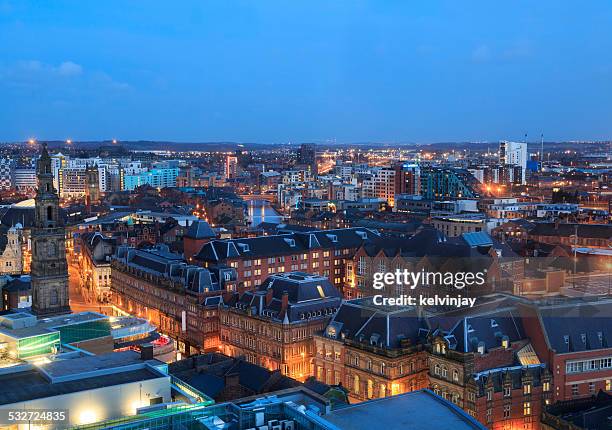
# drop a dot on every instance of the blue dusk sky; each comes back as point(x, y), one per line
point(314, 70)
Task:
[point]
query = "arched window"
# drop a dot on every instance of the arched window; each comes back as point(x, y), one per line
point(455, 375)
point(356, 384)
point(444, 372)
point(49, 213)
point(383, 390)
point(437, 369)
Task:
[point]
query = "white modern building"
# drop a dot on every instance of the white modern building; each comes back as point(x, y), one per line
point(515, 154)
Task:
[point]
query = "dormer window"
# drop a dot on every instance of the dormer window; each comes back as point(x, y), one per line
point(505, 342)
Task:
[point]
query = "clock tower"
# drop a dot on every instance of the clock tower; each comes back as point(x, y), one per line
point(49, 269)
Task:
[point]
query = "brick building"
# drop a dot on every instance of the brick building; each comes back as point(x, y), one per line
point(180, 299)
point(273, 325)
point(431, 250)
point(582, 235)
point(198, 233)
point(574, 339)
point(372, 351)
point(317, 252)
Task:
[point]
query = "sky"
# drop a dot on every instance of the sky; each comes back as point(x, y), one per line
point(273, 71)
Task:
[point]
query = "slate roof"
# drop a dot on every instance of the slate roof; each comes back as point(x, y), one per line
point(21, 283)
point(160, 262)
point(577, 326)
point(595, 231)
point(497, 377)
point(487, 328)
point(200, 230)
point(309, 296)
point(361, 321)
point(284, 244)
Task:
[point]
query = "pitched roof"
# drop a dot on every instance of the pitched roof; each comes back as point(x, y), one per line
point(200, 230)
point(284, 244)
point(598, 231)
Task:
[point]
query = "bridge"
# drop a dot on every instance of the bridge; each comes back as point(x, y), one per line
point(269, 197)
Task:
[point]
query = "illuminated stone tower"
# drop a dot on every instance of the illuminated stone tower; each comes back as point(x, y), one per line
point(49, 269)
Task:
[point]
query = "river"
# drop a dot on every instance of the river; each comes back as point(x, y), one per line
point(261, 211)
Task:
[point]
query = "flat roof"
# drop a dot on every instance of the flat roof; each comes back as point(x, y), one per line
point(417, 410)
point(31, 384)
point(113, 360)
point(47, 325)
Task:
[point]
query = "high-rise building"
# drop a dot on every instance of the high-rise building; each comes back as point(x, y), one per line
point(230, 170)
point(514, 153)
point(446, 183)
point(7, 173)
point(157, 177)
point(49, 269)
point(73, 182)
point(25, 179)
point(381, 184)
point(407, 178)
point(307, 155)
point(92, 184)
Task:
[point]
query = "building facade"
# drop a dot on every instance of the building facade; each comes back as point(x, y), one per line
point(49, 269)
point(273, 326)
point(180, 299)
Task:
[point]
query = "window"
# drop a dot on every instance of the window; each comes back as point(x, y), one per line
point(506, 411)
point(489, 415)
point(527, 408)
point(591, 387)
point(437, 369)
point(574, 389)
point(489, 395)
point(608, 384)
point(361, 266)
point(356, 384)
point(527, 389)
point(546, 386)
point(455, 375)
point(507, 391)
point(444, 372)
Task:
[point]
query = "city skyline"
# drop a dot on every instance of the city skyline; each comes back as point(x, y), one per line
point(339, 72)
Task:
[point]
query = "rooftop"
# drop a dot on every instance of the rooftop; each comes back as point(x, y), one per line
point(416, 410)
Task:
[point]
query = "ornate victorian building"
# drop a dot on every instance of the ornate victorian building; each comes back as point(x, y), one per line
point(49, 269)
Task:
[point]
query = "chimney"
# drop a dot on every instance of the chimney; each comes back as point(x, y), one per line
point(284, 303)
point(269, 295)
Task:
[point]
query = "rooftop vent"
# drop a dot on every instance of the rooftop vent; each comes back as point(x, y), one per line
point(290, 242)
point(244, 247)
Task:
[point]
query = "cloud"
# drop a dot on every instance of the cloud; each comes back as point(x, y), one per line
point(68, 68)
point(67, 75)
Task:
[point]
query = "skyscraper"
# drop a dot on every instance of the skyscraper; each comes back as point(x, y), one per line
point(49, 269)
point(231, 167)
point(515, 154)
point(307, 155)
